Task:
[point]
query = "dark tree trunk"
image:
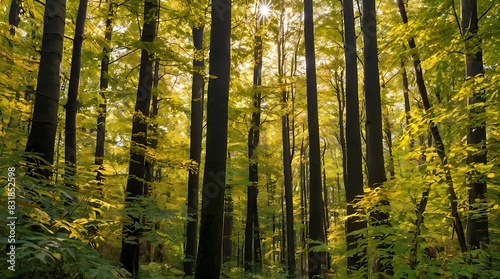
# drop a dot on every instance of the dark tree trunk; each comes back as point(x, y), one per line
point(14, 13)
point(374, 146)
point(72, 103)
point(287, 156)
point(43, 131)
point(252, 241)
point(151, 162)
point(406, 90)
point(353, 177)
point(317, 260)
point(342, 137)
point(438, 142)
point(137, 168)
point(303, 207)
point(195, 152)
point(104, 83)
point(374, 134)
point(287, 173)
point(227, 242)
point(208, 261)
point(388, 140)
point(477, 224)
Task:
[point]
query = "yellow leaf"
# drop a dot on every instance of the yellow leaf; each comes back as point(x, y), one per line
point(490, 175)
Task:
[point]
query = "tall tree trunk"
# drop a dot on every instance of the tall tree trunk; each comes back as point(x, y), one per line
point(342, 127)
point(104, 83)
point(227, 242)
point(151, 162)
point(43, 131)
point(72, 103)
point(287, 154)
point(137, 170)
point(477, 223)
point(14, 13)
point(353, 177)
point(438, 142)
point(316, 233)
point(208, 261)
point(195, 151)
point(374, 135)
point(303, 207)
point(388, 140)
point(252, 230)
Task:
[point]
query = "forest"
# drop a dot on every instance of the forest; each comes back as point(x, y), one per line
point(250, 139)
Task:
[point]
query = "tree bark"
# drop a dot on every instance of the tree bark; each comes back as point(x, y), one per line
point(43, 131)
point(208, 262)
point(137, 169)
point(477, 224)
point(252, 241)
point(287, 156)
point(72, 103)
point(104, 84)
point(227, 242)
point(195, 151)
point(374, 134)
point(353, 155)
point(14, 13)
point(317, 260)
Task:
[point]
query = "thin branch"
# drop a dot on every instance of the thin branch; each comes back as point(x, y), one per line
point(485, 12)
point(456, 17)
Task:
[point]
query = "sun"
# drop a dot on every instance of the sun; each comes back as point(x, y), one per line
point(264, 9)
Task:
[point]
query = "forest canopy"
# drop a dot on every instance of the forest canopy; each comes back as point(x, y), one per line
point(250, 139)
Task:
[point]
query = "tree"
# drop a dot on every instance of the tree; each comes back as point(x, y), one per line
point(208, 261)
point(477, 223)
point(103, 86)
point(287, 156)
point(438, 144)
point(135, 184)
point(14, 12)
point(43, 130)
point(72, 103)
point(354, 175)
point(253, 261)
point(316, 213)
point(374, 136)
point(195, 150)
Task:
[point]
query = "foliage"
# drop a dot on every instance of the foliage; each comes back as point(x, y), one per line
point(76, 233)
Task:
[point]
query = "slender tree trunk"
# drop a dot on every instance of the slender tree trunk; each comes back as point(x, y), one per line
point(14, 13)
point(43, 131)
point(227, 242)
point(252, 243)
point(137, 170)
point(303, 207)
point(151, 162)
point(317, 260)
point(353, 177)
point(374, 146)
point(208, 261)
point(326, 216)
point(374, 134)
point(287, 172)
point(287, 158)
point(388, 140)
point(195, 151)
point(342, 127)
point(104, 84)
point(406, 90)
point(438, 142)
point(477, 223)
point(72, 103)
